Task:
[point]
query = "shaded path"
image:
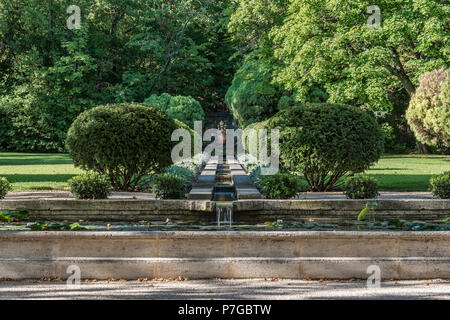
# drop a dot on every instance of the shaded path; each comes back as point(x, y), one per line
point(227, 289)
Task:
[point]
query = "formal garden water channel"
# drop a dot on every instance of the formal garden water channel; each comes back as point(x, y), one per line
point(231, 222)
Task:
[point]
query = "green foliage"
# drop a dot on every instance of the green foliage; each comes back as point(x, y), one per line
point(324, 142)
point(186, 174)
point(429, 109)
point(440, 185)
point(324, 50)
point(255, 173)
point(280, 186)
point(5, 187)
point(368, 210)
point(252, 97)
point(185, 109)
point(126, 50)
point(14, 215)
point(90, 186)
point(55, 226)
point(124, 141)
point(361, 187)
point(168, 186)
point(357, 64)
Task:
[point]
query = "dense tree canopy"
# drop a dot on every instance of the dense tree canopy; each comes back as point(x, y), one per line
point(126, 50)
point(279, 53)
point(331, 48)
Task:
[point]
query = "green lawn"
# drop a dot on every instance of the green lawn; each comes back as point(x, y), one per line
point(408, 172)
point(32, 171)
point(36, 171)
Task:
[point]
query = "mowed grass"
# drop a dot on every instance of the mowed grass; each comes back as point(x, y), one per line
point(36, 171)
point(408, 172)
point(33, 171)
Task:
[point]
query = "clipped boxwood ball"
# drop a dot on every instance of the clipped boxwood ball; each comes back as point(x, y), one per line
point(90, 185)
point(5, 187)
point(361, 187)
point(327, 141)
point(124, 141)
point(440, 185)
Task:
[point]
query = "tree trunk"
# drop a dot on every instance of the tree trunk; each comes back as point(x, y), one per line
point(399, 71)
point(421, 148)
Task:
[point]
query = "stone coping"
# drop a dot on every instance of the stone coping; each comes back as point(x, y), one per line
point(341, 204)
point(223, 235)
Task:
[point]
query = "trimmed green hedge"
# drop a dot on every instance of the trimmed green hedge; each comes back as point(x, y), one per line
point(5, 187)
point(90, 186)
point(124, 141)
point(440, 185)
point(168, 186)
point(280, 186)
point(325, 142)
point(361, 187)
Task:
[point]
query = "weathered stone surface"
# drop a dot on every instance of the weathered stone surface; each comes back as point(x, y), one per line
point(197, 255)
point(113, 210)
point(261, 210)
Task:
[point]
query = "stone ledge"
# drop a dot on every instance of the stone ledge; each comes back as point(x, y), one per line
point(250, 211)
point(200, 255)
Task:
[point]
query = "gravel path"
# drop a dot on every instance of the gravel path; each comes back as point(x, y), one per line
point(226, 289)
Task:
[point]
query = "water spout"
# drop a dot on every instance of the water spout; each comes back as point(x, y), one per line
point(224, 215)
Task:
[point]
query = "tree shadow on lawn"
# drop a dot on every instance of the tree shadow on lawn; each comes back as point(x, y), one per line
point(402, 182)
point(417, 157)
point(390, 169)
point(12, 161)
point(44, 178)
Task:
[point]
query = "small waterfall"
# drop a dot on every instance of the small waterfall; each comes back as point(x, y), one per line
point(224, 216)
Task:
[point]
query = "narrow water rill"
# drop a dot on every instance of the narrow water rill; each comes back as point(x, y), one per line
point(224, 194)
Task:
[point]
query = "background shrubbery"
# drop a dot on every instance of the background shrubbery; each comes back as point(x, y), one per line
point(429, 110)
point(186, 109)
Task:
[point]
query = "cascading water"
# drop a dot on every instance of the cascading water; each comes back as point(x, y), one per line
point(224, 216)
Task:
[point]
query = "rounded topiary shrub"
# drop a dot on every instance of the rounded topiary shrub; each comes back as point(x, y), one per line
point(5, 187)
point(123, 141)
point(90, 186)
point(183, 108)
point(440, 185)
point(168, 186)
point(280, 186)
point(325, 142)
point(361, 187)
point(428, 113)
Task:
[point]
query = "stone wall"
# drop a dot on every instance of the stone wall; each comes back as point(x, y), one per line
point(249, 211)
point(204, 255)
